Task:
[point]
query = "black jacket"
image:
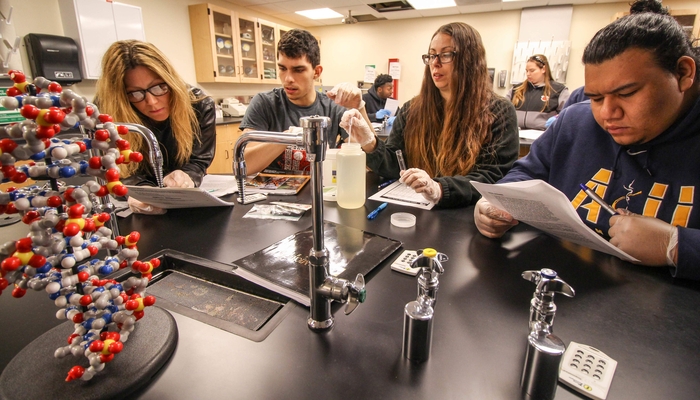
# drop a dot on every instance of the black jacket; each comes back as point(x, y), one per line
point(373, 104)
point(530, 114)
point(494, 161)
point(202, 149)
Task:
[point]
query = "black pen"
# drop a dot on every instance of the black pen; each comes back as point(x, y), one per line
point(387, 183)
point(376, 211)
point(597, 199)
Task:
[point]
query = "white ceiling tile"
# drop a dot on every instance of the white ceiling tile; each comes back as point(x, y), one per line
point(437, 12)
point(401, 14)
point(517, 5)
point(480, 7)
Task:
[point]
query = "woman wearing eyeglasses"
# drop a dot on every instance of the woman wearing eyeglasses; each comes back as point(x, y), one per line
point(540, 97)
point(139, 85)
point(456, 130)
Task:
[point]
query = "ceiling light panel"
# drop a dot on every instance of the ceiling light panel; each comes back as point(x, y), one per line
point(320, 13)
point(427, 4)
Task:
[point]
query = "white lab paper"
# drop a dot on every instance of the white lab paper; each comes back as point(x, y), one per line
point(530, 134)
point(169, 197)
point(399, 193)
point(219, 185)
point(392, 105)
point(539, 204)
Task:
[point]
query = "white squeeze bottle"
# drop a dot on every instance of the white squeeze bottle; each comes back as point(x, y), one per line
point(351, 173)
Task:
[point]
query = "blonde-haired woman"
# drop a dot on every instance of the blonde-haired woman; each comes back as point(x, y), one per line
point(139, 85)
point(456, 130)
point(540, 97)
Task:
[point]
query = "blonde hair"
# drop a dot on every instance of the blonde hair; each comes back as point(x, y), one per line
point(111, 97)
point(519, 95)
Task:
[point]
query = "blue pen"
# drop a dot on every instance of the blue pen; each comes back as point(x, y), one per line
point(387, 183)
point(597, 199)
point(376, 212)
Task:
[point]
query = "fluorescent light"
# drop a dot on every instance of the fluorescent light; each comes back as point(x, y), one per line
point(426, 4)
point(320, 13)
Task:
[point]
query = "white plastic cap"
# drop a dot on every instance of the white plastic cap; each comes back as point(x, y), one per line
point(403, 220)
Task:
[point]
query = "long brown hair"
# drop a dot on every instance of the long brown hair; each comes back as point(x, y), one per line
point(125, 55)
point(445, 139)
point(519, 95)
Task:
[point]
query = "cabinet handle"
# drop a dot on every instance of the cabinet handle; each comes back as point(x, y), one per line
point(227, 154)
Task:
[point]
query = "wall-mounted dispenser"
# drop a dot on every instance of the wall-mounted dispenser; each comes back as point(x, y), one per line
point(502, 78)
point(54, 57)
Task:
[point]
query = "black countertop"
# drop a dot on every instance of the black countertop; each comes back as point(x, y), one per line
point(228, 120)
point(639, 316)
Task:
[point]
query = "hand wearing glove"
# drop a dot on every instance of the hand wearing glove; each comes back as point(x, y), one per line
point(422, 183)
point(383, 113)
point(138, 207)
point(550, 121)
point(178, 179)
point(650, 240)
point(390, 121)
point(356, 126)
point(491, 221)
point(347, 95)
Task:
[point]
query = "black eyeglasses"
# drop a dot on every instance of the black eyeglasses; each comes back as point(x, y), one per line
point(444, 58)
point(140, 95)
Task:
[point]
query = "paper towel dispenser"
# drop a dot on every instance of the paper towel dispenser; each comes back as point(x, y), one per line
point(54, 57)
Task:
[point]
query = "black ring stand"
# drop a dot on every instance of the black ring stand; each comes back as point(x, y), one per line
point(34, 373)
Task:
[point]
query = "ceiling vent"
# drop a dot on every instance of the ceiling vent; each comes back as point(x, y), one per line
point(349, 19)
point(390, 6)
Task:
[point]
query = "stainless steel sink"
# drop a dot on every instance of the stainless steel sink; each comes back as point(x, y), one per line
point(212, 293)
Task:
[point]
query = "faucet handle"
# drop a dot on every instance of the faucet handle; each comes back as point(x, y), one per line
point(547, 281)
point(431, 259)
point(356, 294)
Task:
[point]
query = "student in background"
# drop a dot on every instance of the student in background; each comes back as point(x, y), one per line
point(139, 85)
point(635, 143)
point(539, 97)
point(375, 99)
point(456, 130)
point(299, 64)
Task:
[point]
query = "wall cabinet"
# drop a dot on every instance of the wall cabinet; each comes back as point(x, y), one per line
point(95, 25)
point(231, 47)
point(226, 136)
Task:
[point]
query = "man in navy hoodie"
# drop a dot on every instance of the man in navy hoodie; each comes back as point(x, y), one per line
point(636, 143)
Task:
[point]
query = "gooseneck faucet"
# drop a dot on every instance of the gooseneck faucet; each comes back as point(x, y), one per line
point(324, 287)
point(155, 157)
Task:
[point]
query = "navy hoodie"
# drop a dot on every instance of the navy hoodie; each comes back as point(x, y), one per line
point(656, 179)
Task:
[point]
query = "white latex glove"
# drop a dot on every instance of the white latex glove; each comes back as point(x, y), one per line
point(138, 207)
point(347, 95)
point(179, 179)
point(644, 238)
point(492, 222)
point(422, 183)
point(356, 126)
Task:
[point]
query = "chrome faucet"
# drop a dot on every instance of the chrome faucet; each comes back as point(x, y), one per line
point(324, 287)
point(545, 350)
point(155, 157)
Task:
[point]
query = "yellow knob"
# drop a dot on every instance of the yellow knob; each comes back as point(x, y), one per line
point(429, 252)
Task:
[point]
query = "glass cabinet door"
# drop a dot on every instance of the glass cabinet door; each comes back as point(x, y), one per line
point(249, 49)
point(223, 41)
point(269, 38)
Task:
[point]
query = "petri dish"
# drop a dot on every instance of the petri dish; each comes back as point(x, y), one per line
point(403, 220)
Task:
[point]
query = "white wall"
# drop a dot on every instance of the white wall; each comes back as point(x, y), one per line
point(345, 49)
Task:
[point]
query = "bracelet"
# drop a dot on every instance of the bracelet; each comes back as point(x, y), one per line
point(672, 244)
